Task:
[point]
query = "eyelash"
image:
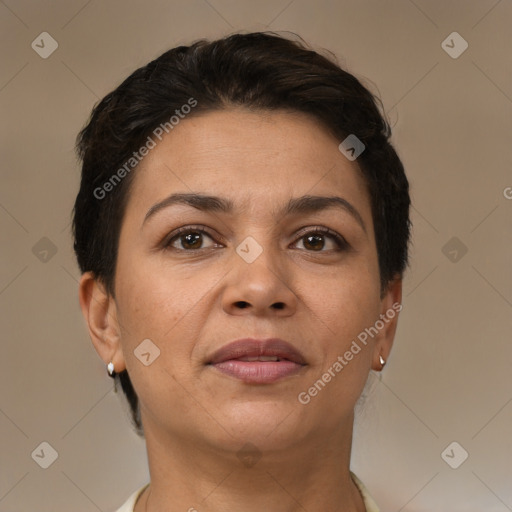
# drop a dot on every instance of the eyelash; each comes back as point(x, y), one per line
point(340, 241)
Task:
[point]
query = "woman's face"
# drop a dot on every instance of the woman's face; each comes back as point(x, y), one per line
point(258, 271)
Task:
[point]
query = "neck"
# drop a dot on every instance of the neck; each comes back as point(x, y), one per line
point(312, 476)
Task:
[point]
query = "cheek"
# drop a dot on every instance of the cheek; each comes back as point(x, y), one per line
point(346, 301)
point(166, 304)
point(159, 307)
point(152, 305)
point(344, 307)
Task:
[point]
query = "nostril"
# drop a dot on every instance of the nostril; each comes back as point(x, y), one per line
point(243, 304)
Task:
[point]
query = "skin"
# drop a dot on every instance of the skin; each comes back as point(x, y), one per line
point(188, 303)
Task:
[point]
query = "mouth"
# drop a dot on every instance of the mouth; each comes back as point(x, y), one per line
point(258, 361)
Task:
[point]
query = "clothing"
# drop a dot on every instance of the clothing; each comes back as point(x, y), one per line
point(370, 505)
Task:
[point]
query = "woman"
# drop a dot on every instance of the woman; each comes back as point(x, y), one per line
point(242, 228)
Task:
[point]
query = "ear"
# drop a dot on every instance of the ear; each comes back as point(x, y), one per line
point(100, 313)
point(391, 305)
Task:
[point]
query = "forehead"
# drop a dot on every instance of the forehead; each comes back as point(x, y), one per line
point(256, 158)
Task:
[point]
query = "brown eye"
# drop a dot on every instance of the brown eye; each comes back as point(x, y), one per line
point(314, 242)
point(188, 239)
point(323, 240)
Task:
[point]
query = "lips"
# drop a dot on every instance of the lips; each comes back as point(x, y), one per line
point(252, 348)
point(258, 361)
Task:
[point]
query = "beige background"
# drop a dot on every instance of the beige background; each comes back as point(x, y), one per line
point(449, 377)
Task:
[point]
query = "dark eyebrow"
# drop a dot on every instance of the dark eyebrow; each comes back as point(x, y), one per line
point(312, 204)
point(297, 205)
point(199, 201)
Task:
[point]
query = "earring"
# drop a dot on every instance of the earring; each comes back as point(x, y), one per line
point(382, 362)
point(110, 369)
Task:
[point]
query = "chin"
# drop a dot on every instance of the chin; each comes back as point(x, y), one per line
point(264, 423)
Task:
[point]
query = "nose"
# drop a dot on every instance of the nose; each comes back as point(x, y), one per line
point(263, 287)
